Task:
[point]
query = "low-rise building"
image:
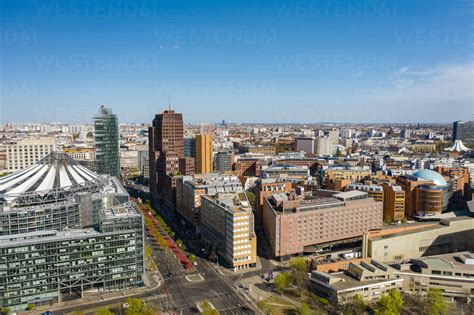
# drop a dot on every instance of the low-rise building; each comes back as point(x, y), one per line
point(452, 273)
point(370, 280)
point(449, 235)
point(287, 172)
point(266, 150)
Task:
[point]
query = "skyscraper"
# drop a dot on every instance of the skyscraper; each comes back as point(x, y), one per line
point(204, 153)
point(106, 134)
point(464, 131)
point(166, 147)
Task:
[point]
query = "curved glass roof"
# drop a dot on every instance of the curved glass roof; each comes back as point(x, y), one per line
point(54, 172)
point(433, 176)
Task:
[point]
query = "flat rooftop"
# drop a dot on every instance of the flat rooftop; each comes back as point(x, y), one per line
point(22, 239)
point(347, 282)
point(124, 210)
point(441, 225)
point(453, 261)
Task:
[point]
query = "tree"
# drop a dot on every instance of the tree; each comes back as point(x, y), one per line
point(5, 310)
point(434, 303)
point(299, 264)
point(252, 199)
point(192, 258)
point(355, 307)
point(387, 219)
point(281, 282)
point(389, 304)
point(104, 311)
point(299, 279)
point(77, 312)
point(304, 309)
point(138, 307)
point(30, 307)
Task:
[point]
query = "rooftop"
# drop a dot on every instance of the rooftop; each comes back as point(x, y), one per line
point(14, 240)
point(57, 171)
point(452, 261)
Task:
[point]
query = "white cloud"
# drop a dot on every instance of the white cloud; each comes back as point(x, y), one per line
point(445, 84)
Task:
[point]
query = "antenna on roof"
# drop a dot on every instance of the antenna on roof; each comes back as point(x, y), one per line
point(169, 100)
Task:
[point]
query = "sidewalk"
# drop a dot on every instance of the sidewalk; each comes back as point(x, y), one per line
point(90, 298)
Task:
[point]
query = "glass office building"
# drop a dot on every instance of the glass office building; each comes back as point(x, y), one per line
point(107, 142)
point(65, 230)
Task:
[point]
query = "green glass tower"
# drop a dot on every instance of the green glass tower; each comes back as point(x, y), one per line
point(107, 142)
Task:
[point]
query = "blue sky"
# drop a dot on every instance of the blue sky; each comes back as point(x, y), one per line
point(242, 61)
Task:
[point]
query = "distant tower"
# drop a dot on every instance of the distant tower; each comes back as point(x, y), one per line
point(405, 133)
point(106, 133)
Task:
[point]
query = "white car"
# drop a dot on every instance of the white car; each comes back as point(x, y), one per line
point(125, 305)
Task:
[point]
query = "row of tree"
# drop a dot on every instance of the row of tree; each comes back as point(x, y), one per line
point(432, 303)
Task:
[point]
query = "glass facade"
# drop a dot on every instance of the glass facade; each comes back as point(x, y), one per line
point(464, 131)
point(41, 266)
point(107, 143)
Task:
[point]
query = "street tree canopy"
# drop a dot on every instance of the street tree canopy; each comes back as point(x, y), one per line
point(389, 304)
point(281, 281)
point(435, 304)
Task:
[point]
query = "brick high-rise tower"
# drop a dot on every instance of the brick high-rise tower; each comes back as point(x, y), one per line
point(167, 161)
point(166, 145)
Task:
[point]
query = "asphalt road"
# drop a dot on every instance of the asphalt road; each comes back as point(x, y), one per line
point(184, 295)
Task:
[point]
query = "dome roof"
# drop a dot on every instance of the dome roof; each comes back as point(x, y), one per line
point(57, 171)
point(433, 176)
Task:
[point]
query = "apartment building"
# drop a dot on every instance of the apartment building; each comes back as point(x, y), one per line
point(392, 196)
point(26, 152)
point(190, 189)
point(458, 177)
point(267, 187)
point(339, 179)
point(394, 201)
point(265, 150)
point(373, 190)
point(248, 166)
point(296, 224)
point(228, 225)
point(224, 159)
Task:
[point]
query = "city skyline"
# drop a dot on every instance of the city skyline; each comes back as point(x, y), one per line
point(357, 61)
